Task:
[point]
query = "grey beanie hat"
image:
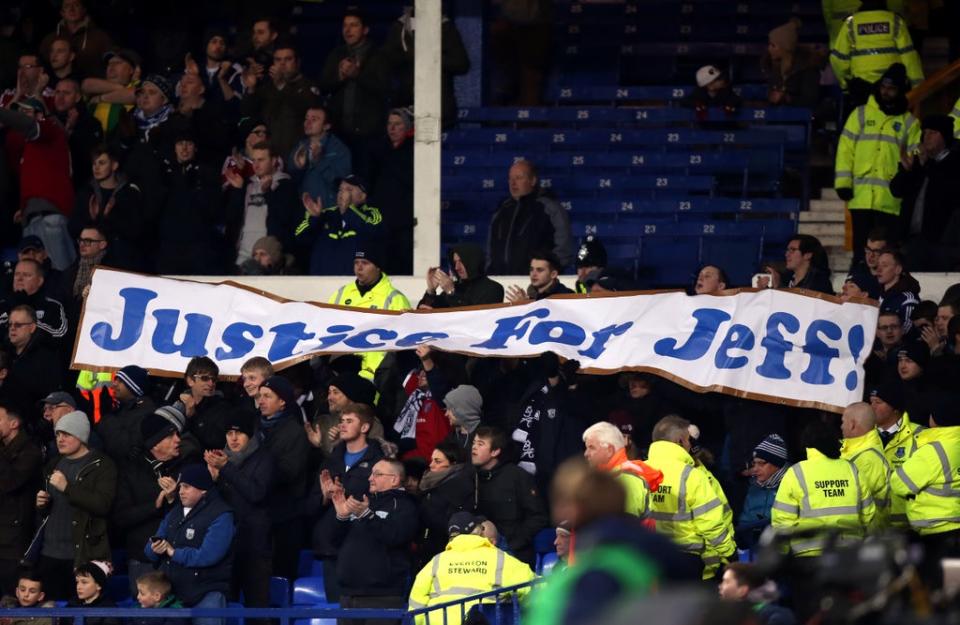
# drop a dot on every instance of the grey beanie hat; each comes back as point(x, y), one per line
point(466, 404)
point(75, 424)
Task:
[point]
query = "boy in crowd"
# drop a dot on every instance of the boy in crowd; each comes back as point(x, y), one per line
point(29, 594)
point(154, 590)
point(91, 590)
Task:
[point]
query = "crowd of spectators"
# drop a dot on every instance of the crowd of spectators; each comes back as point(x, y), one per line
point(382, 465)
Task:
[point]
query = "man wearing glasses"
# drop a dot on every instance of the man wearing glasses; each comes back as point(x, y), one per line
point(877, 242)
point(35, 371)
point(205, 407)
point(374, 535)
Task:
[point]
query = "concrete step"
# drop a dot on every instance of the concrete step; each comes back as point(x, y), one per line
point(827, 205)
point(831, 240)
point(821, 217)
point(828, 194)
point(821, 230)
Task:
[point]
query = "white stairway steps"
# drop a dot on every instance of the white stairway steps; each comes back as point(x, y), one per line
point(826, 220)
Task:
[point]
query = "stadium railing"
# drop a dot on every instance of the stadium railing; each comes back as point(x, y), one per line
point(501, 607)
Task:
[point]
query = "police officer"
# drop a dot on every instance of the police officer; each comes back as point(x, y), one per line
point(591, 261)
point(685, 506)
point(930, 482)
point(869, 42)
point(862, 447)
point(821, 493)
point(470, 565)
point(372, 289)
point(835, 12)
point(868, 156)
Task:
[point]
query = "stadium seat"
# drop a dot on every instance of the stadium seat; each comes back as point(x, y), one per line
point(118, 587)
point(547, 562)
point(234, 621)
point(543, 540)
point(309, 591)
point(308, 565)
point(119, 559)
point(498, 613)
point(279, 592)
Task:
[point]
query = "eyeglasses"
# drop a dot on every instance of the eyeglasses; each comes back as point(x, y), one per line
point(90, 241)
point(873, 250)
point(203, 377)
point(27, 66)
point(378, 474)
point(793, 249)
point(17, 326)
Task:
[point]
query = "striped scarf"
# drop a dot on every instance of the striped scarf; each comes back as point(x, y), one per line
point(145, 124)
point(774, 481)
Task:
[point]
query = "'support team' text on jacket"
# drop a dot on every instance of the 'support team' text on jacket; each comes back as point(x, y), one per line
point(821, 493)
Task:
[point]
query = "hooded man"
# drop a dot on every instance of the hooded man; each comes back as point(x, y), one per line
point(465, 411)
point(466, 285)
point(873, 139)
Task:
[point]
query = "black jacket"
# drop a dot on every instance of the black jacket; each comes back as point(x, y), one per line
point(507, 495)
point(557, 288)
point(355, 484)
point(135, 515)
point(287, 443)
point(815, 280)
point(246, 488)
point(523, 226)
point(20, 475)
point(475, 289)
point(103, 601)
point(120, 430)
point(391, 181)
point(453, 493)
point(35, 373)
point(941, 199)
point(208, 422)
point(90, 497)
point(121, 216)
point(555, 429)
point(357, 105)
point(51, 315)
point(282, 109)
point(374, 550)
point(186, 233)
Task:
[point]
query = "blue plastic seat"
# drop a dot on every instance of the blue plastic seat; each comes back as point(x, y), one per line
point(308, 565)
point(547, 562)
point(309, 591)
point(279, 592)
point(118, 587)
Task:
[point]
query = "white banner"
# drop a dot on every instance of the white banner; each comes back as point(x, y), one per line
point(786, 347)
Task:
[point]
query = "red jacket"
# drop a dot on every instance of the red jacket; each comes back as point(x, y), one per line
point(43, 165)
point(432, 423)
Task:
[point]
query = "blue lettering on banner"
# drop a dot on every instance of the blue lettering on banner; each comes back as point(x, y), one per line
point(187, 334)
point(775, 345)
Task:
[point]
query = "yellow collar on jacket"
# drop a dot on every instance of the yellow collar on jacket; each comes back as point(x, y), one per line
point(469, 542)
point(870, 440)
point(665, 450)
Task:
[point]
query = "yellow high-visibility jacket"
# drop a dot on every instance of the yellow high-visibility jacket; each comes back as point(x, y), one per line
point(821, 493)
point(868, 43)
point(898, 450)
point(687, 509)
point(383, 296)
point(866, 452)
point(470, 565)
point(955, 114)
point(868, 155)
point(930, 482)
point(836, 11)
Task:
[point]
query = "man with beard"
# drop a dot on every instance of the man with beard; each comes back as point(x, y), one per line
point(221, 77)
point(868, 156)
point(283, 100)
